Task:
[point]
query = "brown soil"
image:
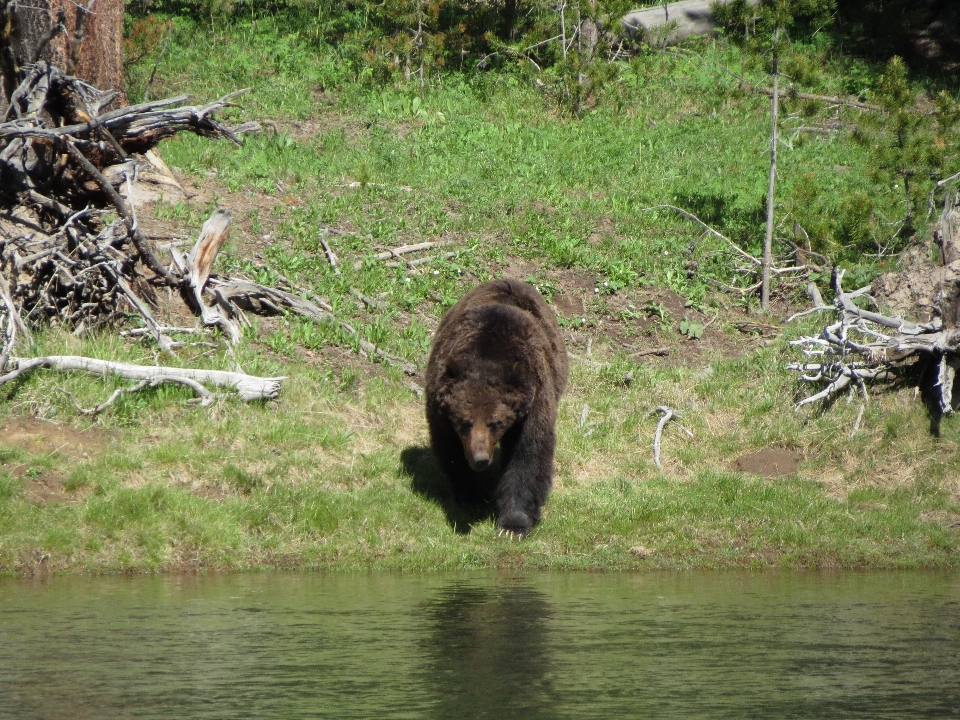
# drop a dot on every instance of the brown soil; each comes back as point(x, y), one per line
point(630, 320)
point(37, 438)
point(770, 462)
point(597, 323)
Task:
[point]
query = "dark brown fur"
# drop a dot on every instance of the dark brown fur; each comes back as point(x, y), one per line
point(495, 376)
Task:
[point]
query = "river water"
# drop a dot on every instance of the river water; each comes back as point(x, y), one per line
point(534, 645)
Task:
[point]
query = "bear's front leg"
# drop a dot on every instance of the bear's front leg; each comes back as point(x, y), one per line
point(527, 473)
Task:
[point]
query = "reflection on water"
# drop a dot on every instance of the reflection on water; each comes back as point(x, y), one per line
point(488, 652)
point(659, 645)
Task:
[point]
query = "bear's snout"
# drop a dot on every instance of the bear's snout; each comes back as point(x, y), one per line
point(479, 463)
point(479, 448)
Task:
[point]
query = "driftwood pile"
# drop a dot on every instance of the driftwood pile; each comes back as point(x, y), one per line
point(72, 252)
point(862, 345)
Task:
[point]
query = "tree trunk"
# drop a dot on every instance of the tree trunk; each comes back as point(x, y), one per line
point(772, 182)
point(81, 41)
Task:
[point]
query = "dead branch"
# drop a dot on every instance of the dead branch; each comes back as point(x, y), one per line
point(13, 322)
point(411, 264)
point(165, 343)
point(793, 93)
point(856, 423)
point(757, 266)
point(97, 409)
point(668, 415)
point(653, 351)
point(141, 243)
point(206, 397)
point(368, 349)
point(137, 128)
point(690, 216)
point(235, 294)
point(199, 265)
point(405, 249)
point(136, 332)
point(862, 346)
point(212, 236)
point(331, 256)
point(248, 387)
point(370, 303)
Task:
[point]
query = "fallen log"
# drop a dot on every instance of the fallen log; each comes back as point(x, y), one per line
point(248, 387)
point(672, 23)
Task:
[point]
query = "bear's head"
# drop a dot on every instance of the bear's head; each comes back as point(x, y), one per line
point(482, 401)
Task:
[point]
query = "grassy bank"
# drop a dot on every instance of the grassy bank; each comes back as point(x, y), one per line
point(336, 473)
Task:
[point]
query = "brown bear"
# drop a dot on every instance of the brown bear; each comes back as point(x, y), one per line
point(495, 375)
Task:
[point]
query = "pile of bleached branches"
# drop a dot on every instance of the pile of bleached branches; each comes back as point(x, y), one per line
point(72, 252)
point(862, 346)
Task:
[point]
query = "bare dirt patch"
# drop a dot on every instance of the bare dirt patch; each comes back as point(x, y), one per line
point(48, 487)
point(770, 462)
point(637, 321)
point(38, 438)
point(941, 517)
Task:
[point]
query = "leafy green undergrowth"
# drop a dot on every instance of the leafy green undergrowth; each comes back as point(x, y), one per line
point(483, 155)
point(482, 161)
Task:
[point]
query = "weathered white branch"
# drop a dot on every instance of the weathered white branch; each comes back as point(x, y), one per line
point(97, 409)
point(856, 423)
point(206, 397)
point(668, 415)
point(249, 387)
point(690, 216)
point(405, 249)
point(328, 251)
point(854, 350)
point(199, 265)
point(411, 264)
point(13, 323)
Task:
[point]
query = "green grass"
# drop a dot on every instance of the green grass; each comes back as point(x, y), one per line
point(337, 474)
point(338, 477)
